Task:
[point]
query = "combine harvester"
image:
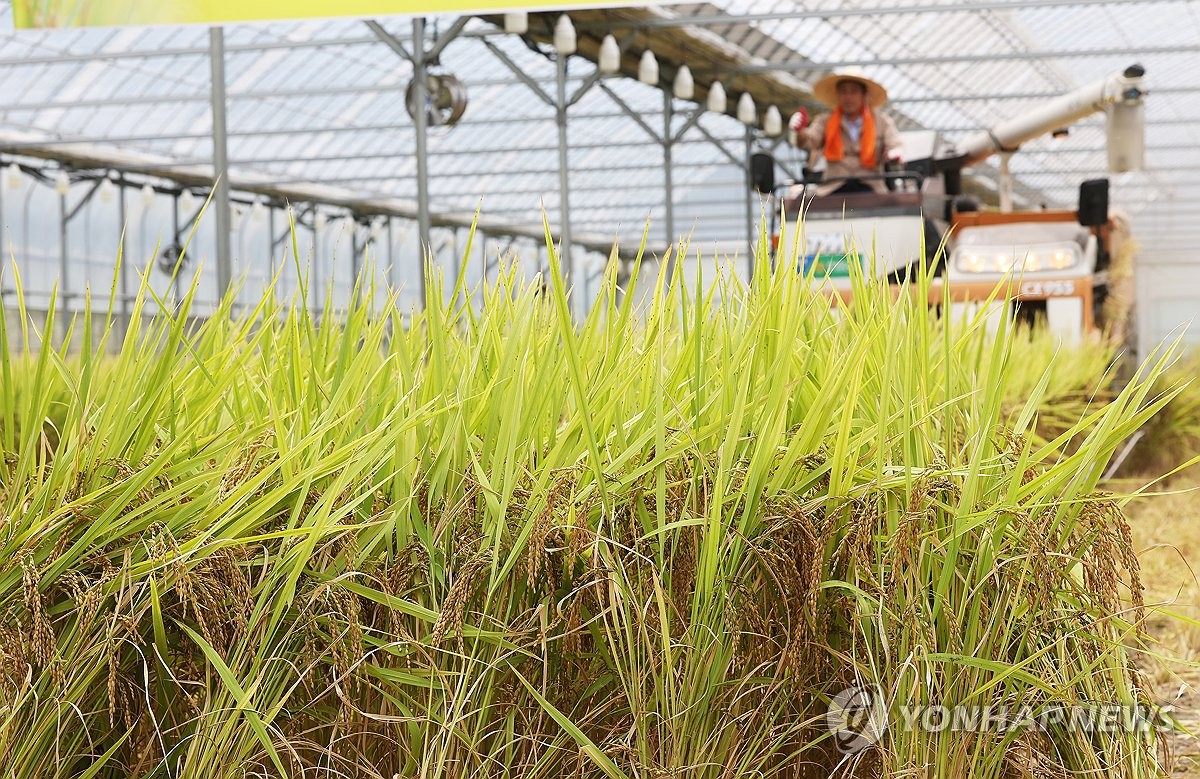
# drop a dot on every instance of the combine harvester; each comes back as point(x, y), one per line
point(1049, 264)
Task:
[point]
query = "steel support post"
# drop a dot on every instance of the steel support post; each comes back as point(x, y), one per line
point(356, 264)
point(123, 273)
point(177, 268)
point(270, 244)
point(393, 268)
point(421, 126)
point(63, 268)
point(4, 253)
point(749, 204)
point(668, 142)
point(311, 296)
point(216, 39)
point(564, 252)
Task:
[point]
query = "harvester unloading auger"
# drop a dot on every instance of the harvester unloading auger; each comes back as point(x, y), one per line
point(1072, 267)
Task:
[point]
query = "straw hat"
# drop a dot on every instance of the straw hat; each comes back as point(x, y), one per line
point(825, 90)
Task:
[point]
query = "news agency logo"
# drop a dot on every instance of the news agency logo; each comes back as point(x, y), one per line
point(857, 719)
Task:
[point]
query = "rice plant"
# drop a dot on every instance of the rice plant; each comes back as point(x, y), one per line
point(503, 543)
point(1172, 438)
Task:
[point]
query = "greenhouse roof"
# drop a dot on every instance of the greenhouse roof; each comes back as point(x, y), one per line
point(322, 102)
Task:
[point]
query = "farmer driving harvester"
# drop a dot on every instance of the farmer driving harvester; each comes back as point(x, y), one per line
point(855, 138)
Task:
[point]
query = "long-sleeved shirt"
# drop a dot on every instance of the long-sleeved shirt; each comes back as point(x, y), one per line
point(888, 143)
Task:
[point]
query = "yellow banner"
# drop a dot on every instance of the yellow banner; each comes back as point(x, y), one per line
point(115, 13)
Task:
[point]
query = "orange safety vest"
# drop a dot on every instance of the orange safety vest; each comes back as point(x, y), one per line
point(835, 150)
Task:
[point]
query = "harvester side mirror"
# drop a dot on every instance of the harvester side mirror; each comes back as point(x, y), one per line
point(1093, 203)
point(762, 172)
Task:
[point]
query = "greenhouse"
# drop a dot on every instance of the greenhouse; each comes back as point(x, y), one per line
point(530, 391)
point(315, 118)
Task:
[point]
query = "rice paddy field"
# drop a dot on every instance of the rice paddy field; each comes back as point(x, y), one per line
point(660, 542)
point(1167, 535)
point(1165, 530)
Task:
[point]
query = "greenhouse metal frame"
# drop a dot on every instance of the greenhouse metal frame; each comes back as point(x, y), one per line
point(308, 118)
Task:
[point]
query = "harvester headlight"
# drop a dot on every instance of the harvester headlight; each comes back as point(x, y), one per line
point(990, 260)
point(1062, 259)
point(975, 263)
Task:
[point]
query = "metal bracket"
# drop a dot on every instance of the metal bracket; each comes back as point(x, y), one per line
point(693, 120)
point(587, 84)
point(520, 74)
point(390, 40)
point(439, 45)
point(84, 200)
point(631, 113)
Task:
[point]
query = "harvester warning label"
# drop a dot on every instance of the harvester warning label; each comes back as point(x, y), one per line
point(826, 255)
